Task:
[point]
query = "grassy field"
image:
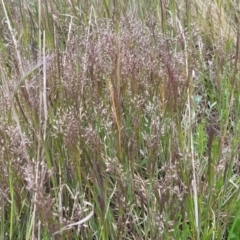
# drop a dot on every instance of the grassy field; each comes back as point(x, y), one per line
point(120, 119)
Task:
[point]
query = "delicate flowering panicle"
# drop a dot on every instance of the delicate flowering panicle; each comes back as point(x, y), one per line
point(144, 61)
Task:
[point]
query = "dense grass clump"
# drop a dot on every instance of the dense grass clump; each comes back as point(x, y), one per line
point(119, 119)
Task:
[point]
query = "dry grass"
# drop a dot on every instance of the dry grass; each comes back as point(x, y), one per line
point(119, 124)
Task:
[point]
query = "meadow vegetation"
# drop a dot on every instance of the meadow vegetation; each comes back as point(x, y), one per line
point(119, 119)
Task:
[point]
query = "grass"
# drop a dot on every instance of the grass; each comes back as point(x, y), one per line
point(119, 119)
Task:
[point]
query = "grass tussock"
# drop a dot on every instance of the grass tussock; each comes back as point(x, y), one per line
point(119, 120)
